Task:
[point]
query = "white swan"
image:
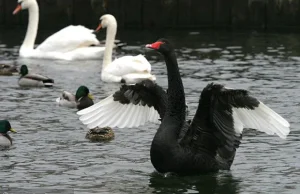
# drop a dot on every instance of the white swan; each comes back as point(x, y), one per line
point(129, 69)
point(70, 43)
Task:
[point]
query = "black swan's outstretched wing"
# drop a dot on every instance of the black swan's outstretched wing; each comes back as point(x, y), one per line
point(224, 113)
point(131, 106)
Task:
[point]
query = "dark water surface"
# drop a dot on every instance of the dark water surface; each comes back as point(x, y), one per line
point(51, 152)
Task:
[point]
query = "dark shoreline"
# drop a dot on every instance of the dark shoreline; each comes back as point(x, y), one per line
point(163, 14)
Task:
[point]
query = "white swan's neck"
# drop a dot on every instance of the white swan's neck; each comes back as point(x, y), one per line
point(32, 27)
point(109, 44)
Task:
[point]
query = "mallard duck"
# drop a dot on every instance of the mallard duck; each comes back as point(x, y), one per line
point(33, 80)
point(8, 69)
point(100, 134)
point(81, 100)
point(5, 139)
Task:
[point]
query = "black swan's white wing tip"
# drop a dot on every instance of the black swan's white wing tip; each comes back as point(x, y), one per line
point(96, 106)
point(115, 114)
point(262, 118)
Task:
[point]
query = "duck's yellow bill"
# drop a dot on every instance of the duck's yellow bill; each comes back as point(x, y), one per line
point(91, 96)
point(12, 130)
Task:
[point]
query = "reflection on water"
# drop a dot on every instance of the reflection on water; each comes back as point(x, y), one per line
point(208, 184)
point(50, 151)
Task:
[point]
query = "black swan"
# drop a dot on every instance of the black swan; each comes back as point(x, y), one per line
point(209, 142)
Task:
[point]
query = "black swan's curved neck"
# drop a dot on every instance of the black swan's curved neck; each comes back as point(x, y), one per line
point(176, 98)
point(165, 146)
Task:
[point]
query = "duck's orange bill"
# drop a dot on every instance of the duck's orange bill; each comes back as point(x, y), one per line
point(98, 28)
point(18, 8)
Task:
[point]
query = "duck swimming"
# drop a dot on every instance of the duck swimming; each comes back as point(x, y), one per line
point(209, 142)
point(100, 134)
point(33, 80)
point(81, 100)
point(8, 70)
point(5, 139)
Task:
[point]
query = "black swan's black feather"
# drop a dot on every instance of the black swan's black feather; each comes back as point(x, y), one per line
point(145, 92)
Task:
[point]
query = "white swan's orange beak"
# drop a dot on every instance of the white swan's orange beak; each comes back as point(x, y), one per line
point(18, 8)
point(98, 28)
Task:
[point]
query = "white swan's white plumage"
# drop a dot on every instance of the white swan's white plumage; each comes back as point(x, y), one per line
point(129, 64)
point(262, 118)
point(70, 43)
point(68, 39)
point(130, 69)
point(114, 114)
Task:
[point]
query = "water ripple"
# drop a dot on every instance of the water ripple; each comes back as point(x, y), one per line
point(50, 151)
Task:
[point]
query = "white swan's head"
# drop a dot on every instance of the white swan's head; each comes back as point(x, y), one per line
point(24, 4)
point(107, 21)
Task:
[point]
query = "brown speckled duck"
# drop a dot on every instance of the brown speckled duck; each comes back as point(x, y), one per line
point(8, 70)
point(100, 134)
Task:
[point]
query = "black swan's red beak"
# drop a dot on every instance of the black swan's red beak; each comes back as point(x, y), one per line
point(155, 45)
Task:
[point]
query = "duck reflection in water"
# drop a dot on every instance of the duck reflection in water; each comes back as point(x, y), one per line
point(213, 183)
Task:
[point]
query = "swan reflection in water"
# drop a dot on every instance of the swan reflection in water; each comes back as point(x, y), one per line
point(213, 183)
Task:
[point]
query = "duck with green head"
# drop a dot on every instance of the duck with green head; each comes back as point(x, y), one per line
point(33, 80)
point(5, 139)
point(8, 70)
point(81, 100)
